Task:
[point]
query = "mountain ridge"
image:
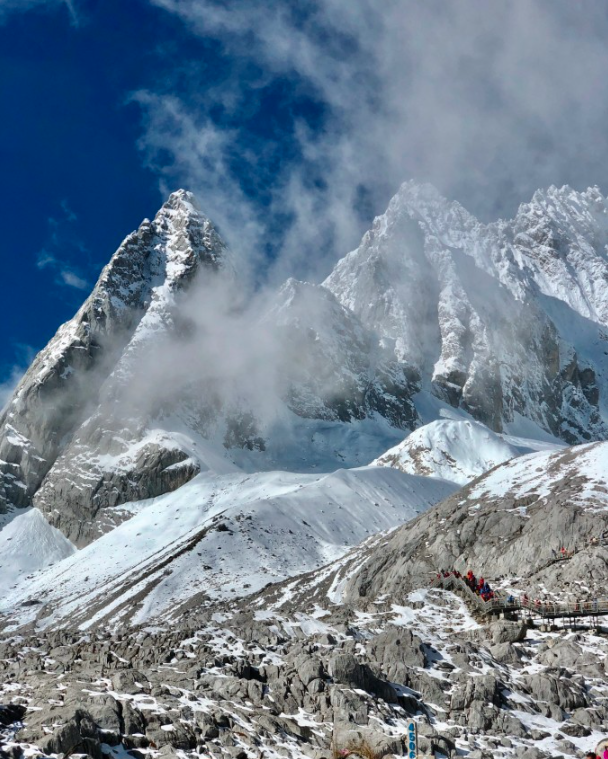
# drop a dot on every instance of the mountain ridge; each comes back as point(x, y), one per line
point(433, 303)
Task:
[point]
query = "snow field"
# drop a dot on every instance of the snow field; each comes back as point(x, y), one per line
point(220, 536)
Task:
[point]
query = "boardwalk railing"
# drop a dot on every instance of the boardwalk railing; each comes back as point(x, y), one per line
point(502, 602)
point(563, 554)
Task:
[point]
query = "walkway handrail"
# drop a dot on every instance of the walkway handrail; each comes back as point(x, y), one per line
point(503, 602)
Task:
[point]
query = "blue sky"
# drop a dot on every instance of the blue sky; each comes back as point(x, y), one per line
point(293, 123)
point(73, 183)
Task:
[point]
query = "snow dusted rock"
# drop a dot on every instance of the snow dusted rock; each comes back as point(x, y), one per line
point(455, 450)
point(134, 297)
point(345, 669)
point(335, 368)
point(218, 537)
point(509, 523)
point(236, 678)
point(503, 631)
point(483, 313)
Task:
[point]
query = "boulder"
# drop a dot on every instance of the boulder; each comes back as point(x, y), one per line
point(503, 631)
point(78, 735)
point(130, 682)
point(10, 713)
point(346, 670)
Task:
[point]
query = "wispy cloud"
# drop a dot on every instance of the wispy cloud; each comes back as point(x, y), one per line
point(11, 376)
point(73, 280)
point(61, 247)
point(487, 100)
point(8, 7)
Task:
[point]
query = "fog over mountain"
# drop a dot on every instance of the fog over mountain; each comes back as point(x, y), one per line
point(174, 358)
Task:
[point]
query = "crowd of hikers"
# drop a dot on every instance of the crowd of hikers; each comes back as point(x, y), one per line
point(477, 585)
point(602, 755)
point(482, 588)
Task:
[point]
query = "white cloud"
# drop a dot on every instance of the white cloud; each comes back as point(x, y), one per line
point(70, 278)
point(8, 386)
point(45, 259)
point(486, 100)
point(10, 378)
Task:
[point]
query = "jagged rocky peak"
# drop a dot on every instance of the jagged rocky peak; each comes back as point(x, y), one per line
point(489, 329)
point(61, 387)
point(561, 239)
point(190, 235)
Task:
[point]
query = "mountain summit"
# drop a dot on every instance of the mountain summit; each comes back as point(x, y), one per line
point(506, 321)
point(54, 409)
point(166, 372)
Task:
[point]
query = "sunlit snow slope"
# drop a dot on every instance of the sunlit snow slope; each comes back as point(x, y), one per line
point(28, 543)
point(220, 536)
point(456, 450)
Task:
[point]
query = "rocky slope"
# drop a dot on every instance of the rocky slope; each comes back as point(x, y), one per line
point(344, 657)
point(508, 526)
point(307, 681)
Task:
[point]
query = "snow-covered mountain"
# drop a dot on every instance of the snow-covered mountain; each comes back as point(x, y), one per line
point(458, 450)
point(68, 411)
point(180, 454)
point(217, 537)
point(506, 320)
point(168, 371)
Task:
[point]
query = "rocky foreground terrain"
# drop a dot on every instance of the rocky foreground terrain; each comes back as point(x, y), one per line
point(257, 681)
point(346, 657)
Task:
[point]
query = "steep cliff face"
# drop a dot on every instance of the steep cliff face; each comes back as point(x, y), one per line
point(503, 320)
point(332, 367)
point(60, 421)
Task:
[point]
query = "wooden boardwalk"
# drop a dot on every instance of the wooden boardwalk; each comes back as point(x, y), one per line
point(504, 603)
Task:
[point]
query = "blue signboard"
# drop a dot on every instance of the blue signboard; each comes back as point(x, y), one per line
point(411, 740)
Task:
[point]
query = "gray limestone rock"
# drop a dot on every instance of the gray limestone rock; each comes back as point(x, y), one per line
point(346, 670)
point(130, 681)
point(555, 689)
point(133, 720)
point(498, 532)
point(503, 631)
point(78, 735)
